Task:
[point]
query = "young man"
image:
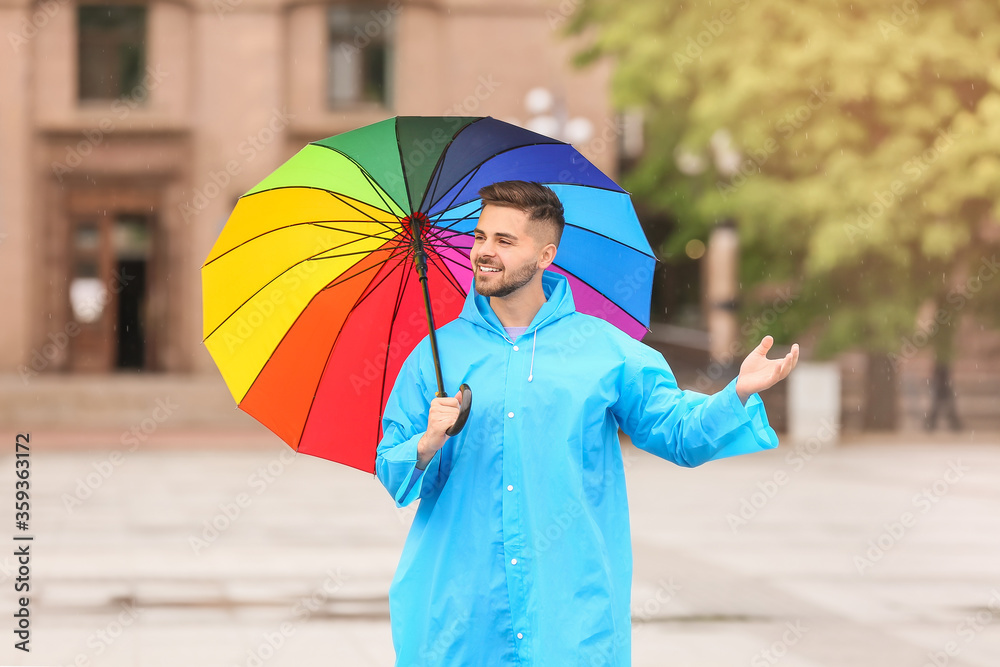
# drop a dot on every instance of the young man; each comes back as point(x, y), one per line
point(520, 551)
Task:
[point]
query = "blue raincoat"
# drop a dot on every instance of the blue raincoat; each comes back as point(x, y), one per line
point(520, 551)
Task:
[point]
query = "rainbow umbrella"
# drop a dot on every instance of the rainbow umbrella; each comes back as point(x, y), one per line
point(330, 271)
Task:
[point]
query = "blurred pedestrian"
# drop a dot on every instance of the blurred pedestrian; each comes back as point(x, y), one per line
point(943, 400)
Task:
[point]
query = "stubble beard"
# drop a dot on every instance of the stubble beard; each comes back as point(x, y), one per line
point(513, 281)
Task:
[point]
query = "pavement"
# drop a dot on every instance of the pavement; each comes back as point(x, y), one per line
point(221, 547)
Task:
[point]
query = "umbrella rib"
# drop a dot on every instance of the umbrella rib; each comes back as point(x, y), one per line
point(610, 300)
point(387, 209)
point(298, 440)
point(564, 269)
point(386, 235)
point(405, 280)
point(487, 159)
point(445, 272)
point(318, 258)
point(343, 279)
point(402, 165)
point(381, 235)
point(249, 298)
point(437, 171)
point(377, 188)
point(368, 292)
point(439, 252)
point(450, 276)
point(568, 224)
point(457, 220)
point(605, 236)
point(468, 179)
point(619, 191)
point(457, 263)
point(308, 259)
point(439, 242)
point(519, 146)
point(340, 281)
point(341, 198)
point(444, 239)
point(364, 172)
point(333, 346)
point(567, 272)
point(319, 223)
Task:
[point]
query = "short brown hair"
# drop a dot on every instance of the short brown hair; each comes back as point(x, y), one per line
point(538, 201)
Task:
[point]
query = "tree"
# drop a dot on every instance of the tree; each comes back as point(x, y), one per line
point(869, 142)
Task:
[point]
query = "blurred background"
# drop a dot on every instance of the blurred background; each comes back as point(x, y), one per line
point(826, 173)
point(828, 176)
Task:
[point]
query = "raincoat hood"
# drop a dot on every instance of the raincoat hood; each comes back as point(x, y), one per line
point(558, 304)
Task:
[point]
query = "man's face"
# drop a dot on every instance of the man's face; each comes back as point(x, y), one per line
point(505, 257)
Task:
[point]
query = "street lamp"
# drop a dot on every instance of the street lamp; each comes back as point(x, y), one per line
point(548, 116)
point(721, 266)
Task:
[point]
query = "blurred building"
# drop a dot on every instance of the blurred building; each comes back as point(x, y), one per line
point(130, 129)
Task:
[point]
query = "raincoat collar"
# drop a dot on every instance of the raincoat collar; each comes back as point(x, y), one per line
point(558, 303)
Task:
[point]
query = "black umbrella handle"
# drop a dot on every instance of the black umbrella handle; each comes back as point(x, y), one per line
point(463, 410)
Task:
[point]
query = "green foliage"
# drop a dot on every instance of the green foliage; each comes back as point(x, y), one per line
point(869, 135)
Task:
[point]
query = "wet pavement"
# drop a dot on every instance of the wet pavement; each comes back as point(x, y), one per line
point(217, 547)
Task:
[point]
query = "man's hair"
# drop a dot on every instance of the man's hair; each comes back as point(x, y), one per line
point(539, 202)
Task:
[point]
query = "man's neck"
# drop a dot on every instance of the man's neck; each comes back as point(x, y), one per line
point(519, 308)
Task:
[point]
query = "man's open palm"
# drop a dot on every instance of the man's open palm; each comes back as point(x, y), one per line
point(758, 373)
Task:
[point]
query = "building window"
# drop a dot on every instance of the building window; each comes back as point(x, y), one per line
point(359, 53)
point(112, 51)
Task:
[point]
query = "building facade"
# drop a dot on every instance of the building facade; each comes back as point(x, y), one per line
point(130, 129)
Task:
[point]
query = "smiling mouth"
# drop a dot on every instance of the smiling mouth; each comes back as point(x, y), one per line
point(488, 269)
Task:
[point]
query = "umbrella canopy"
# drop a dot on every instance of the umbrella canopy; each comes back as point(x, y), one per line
point(311, 301)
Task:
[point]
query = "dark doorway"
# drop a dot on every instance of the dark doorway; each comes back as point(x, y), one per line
point(131, 242)
point(109, 291)
point(131, 303)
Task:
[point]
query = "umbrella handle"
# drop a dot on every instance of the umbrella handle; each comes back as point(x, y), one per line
point(463, 410)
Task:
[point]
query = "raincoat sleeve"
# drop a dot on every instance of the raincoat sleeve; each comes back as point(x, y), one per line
point(687, 427)
point(403, 423)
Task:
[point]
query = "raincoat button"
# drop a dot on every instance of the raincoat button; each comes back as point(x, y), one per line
point(510, 487)
point(510, 414)
point(513, 561)
point(516, 348)
point(520, 636)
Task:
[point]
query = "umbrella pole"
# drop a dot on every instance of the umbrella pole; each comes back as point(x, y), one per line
point(420, 261)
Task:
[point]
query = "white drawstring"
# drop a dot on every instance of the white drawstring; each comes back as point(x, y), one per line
point(531, 371)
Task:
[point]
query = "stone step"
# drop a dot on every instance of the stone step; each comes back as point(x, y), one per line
point(118, 401)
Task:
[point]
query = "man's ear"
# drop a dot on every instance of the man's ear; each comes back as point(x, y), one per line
point(548, 255)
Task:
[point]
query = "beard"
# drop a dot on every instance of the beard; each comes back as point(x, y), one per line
point(513, 280)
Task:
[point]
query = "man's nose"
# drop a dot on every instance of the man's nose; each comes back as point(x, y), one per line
point(487, 248)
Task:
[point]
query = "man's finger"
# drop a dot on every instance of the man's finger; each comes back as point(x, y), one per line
point(784, 369)
point(448, 401)
point(789, 361)
point(765, 345)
